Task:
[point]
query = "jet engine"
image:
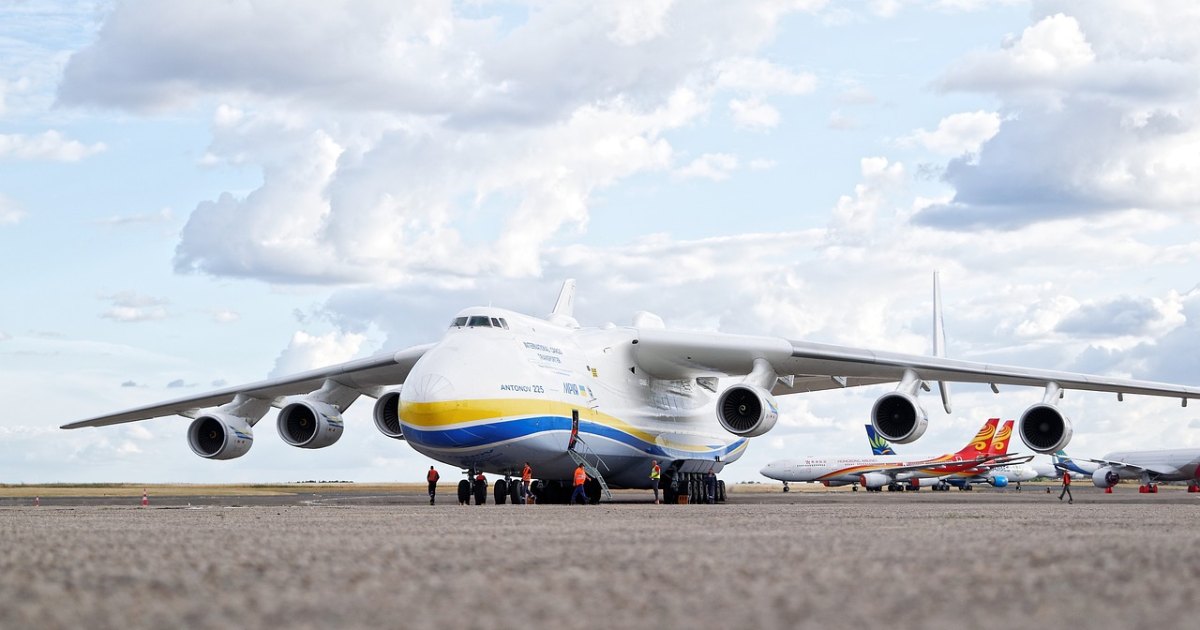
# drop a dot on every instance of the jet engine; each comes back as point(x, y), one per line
point(387, 415)
point(310, 424)
point(746, 410)
point(1044, 429)
point(998, 481)
point(898, 418)
point(1105, 477)
point(874, 480)
point(220, 436)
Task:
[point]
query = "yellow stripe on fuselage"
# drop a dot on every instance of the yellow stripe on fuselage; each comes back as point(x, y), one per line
point(432, 416)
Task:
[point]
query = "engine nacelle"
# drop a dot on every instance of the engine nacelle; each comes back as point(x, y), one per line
point(998, 481)
point(310, 424)
point(898, 418)
point(1044, 429)
point(220, 436)
point(387, 415)
point(874, 480)
point(746, 410)
point(1105, 477)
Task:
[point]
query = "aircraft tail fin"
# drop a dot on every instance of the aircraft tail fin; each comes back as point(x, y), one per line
point(1001, 440)
point(979, 445)
point(939, 338)
point(565, 304)
point(879, 446)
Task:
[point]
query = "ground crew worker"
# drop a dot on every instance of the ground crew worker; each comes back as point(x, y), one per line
point(432, 477)
point(526, 477)
point(1066, 488)
point(655, 474)
point(580, 479)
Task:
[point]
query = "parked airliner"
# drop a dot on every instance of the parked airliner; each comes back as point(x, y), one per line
point(1149, 467)
point(501, 388)
point(877, 471)
point(998, 476)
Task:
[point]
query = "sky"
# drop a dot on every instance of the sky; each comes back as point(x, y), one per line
point(197, 194)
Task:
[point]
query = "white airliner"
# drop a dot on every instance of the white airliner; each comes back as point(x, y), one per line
point(873, 472)
point(998, 476)
point(1149, 467)
point(501, 388)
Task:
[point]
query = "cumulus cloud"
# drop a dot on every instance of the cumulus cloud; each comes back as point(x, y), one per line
point(1099, 101)
point(49, 145)
point(225, 316)
point(162, 216)
point(306, 351)
point(128, 306)
point(10, 212)
point(753, 114)
point(958, 133)
point(379, 157)
point(714, 166)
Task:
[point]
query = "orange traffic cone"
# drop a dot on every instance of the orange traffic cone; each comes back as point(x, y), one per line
point(37, 501)
point(145, 499)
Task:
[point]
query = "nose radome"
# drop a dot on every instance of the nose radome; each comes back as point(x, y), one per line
point(427, 387)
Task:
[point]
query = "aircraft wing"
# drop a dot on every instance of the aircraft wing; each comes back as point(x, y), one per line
point(1133, 469)
point(670, 354)
point(369, 373)
point(988, 461)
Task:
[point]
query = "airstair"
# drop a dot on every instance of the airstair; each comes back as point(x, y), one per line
point(583, 455)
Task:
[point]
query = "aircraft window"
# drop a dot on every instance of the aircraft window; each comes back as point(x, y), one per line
point(478, 321)
point(495, 323)
point(503, 324)
point(458, 322)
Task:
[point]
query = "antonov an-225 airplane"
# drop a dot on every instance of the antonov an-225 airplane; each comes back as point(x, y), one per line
point(501, 388)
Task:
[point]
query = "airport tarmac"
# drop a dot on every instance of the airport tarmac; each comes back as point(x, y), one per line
point(343, 558)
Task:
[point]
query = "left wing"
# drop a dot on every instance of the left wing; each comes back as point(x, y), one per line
point(670, 354)
point(1133, 469)
point(365, 375)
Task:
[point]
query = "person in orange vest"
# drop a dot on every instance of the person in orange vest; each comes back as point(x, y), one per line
point(655, 475)
point(526, 477)
point(580, 479)
point(1066, 488)
point(432, 477)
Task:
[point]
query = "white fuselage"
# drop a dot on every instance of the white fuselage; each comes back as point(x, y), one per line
point(492, 398)
point(849, 468)
point(1166, 465)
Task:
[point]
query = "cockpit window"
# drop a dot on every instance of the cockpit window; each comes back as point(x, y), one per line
point(503, 324)
point(478, 321)
point(495, 323)
point(458, 322)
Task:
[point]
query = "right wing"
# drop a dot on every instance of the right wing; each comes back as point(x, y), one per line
point(672, 354)
point(366, 375)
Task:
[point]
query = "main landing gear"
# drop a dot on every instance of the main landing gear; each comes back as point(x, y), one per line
point(691, 485)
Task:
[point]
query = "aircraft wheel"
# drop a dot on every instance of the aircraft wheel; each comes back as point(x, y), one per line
point(720, 491)
point(464, 492)
point(514, 492)
point(500, 491)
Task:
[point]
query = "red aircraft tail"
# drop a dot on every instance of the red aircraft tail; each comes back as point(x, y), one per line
point(1001, 440)
point(980, 444)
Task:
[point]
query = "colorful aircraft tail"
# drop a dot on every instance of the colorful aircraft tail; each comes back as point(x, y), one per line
point(879, 446)
point(982, 442)
point(1001, 439)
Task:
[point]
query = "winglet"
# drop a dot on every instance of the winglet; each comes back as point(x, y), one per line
point(939, 338)
point(565, 304)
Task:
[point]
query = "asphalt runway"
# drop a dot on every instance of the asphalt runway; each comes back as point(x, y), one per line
point(985, 559)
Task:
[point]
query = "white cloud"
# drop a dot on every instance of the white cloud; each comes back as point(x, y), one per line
point(162, 216)
point(714, 166)
point(306, 352)
point(638, 21)
point(838, 120)
point(10, 212)
point(1099, 100)
point(958, 133)
point(759, 76)
point(225, 316)
point(128, 306)
point(49, 145)
point(753, 114)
